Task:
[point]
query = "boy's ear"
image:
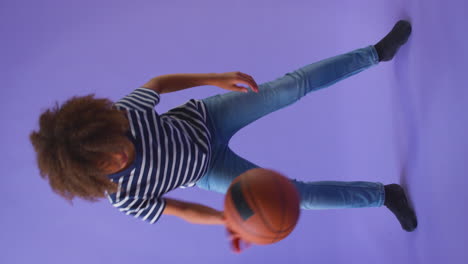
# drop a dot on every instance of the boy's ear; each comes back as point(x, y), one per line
point(105, 165)
point(101, 164)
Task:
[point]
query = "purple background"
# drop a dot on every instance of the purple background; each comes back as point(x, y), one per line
point(403, 121)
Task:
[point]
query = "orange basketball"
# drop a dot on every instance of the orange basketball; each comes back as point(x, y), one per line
point(262, 206)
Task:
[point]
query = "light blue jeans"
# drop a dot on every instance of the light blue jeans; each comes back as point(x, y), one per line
point(229, 112)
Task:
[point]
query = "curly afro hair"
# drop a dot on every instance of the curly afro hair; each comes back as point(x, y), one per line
point(72, 139)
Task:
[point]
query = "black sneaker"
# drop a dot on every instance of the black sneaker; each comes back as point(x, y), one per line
point(397, 202)
point(389, 45)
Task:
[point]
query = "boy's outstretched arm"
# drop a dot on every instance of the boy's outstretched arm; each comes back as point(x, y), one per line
point(193, 213)
point(175, 82)
point(200, 214)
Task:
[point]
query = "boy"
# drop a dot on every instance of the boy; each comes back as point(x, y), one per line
point(132, 155)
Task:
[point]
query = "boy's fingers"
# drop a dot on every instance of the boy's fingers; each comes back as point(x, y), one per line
point(249, 84)
point(251, 81)
point(241, 89)
point(236, 245)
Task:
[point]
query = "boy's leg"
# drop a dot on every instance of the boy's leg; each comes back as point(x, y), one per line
point(233, 110)
point(317, 195)
point(314, 195)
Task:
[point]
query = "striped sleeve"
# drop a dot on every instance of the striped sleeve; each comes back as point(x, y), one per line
point(140, 99)
point(149, 210)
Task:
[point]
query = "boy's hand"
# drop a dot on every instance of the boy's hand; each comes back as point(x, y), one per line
point(237, 244)
point(228, 81)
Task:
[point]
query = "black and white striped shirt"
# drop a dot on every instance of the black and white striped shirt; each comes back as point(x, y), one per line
point(172, 150)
